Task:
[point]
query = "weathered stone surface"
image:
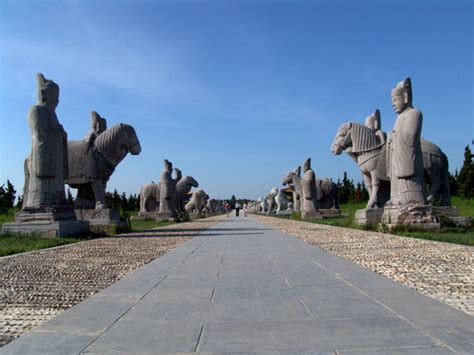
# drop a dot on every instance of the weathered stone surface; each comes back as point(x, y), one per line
point(369, 216)
point(413, 216)
point(168, 190)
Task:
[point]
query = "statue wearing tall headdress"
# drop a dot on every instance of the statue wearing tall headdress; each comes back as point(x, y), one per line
point(168, 189)
point(405, 156)
point(98, 125)
point(46, 166)
point(308, 185)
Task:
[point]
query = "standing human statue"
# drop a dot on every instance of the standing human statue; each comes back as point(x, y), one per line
point(46, 166)
point(405, 159)
point(98, 125)
point(168, 189)
point(308, 186)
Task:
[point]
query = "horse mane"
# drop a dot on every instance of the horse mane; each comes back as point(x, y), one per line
point(363, 138)
point(108, 137)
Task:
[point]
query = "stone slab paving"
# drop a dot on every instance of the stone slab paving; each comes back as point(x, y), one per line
point(242, 287)
point(443, 271)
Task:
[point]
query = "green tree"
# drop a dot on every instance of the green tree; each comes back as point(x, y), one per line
point(466, 175)
point(232, 201)
point(7, 197)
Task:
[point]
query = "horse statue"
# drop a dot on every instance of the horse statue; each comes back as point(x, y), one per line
point(91, 163)
point(369, 153)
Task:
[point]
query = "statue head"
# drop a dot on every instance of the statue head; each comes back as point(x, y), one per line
point(99, 124)
point(168, 165)
point(373, 121)
point(307, 165)
point(402, 96)
point(48, 91)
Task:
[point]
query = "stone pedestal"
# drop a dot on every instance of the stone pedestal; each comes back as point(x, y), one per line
point(369, 216)
point(452, 214)
point(331, 213)
point(104, 220)
point(311, 214)
point(55, 221)
point(415, 217)
point(154, 216)
point(285, 213)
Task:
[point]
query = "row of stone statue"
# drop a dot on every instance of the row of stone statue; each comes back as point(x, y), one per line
point(311, 196)
point(169, 199)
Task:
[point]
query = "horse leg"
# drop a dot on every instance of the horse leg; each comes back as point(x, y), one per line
point(99, 193)
point(368, 184)
point(375, 188)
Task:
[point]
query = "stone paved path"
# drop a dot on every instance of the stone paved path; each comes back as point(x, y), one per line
point(244, 287)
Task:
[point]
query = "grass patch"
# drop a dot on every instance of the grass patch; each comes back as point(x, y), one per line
point(465, 205)
point(8, 217)
point(11, 243)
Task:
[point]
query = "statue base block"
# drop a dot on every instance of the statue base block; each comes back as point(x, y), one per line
point(101, 221)
point(145, 216)
point(331, 213)
point(54, 221)
point(311, 214)
point(415, 217)
point(285, 213)
point(452, 214)
point(369, 216)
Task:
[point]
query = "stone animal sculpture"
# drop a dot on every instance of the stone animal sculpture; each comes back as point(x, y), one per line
point(293, 180)
point(183, 187)
point(271, 200)
point(281, 201)
point(90, 167)
point(327, 194)
point(150, 197)
point(198, 202)
point(363, 146)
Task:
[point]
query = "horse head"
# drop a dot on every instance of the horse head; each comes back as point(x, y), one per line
point(292, 177)
point(130, 140)
point(190, 181)
point(342, 140)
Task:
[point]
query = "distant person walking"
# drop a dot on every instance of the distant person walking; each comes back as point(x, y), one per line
point(227, 208)
point(237, 209)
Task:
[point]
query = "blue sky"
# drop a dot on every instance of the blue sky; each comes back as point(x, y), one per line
point(234, 93)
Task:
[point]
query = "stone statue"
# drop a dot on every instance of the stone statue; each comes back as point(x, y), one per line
point(405, 158)
point(150, 197)
point(198, 202)
point(362, 145)
point(281, 201)
point(168, 189)
point(98, 126)
point(271, 200)
point(46, 166)
point(45, 210)
point(93, 160)
point(183, 187)
point(293, 180)
point(327, 194)
point(373, 122)
point(308, 185)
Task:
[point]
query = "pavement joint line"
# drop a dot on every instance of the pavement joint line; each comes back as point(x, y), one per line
point(287, 282)
point(307, 309)
point(212, 295)
point(218, 274)
point(141, 298)
point(381, 348)
point(198, 344)
point(388, 308)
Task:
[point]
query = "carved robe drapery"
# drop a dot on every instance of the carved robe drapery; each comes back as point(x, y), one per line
point(406, 159)
point(308, 186)
point(47, 163)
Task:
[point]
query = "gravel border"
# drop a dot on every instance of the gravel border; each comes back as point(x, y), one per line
point(37, 286)
point(438, 270)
